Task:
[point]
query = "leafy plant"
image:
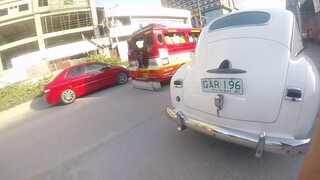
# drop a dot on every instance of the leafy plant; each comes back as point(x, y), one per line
point(102, 58)
point(20, 92)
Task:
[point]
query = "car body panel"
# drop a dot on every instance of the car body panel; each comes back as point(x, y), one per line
point(261, 71)
point(82, 83)
point(281, 87)
point(100, 77)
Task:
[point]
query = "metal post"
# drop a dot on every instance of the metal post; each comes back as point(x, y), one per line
point(299, 14)
point(94, 16)
point(199, 10)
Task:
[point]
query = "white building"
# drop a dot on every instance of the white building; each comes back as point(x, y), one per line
point(123, 21)
point(28, 26)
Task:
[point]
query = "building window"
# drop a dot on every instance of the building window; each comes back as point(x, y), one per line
point(66, 21)
point(42, 3)
point(68, 2)
point(23, 7)
point(3, 12)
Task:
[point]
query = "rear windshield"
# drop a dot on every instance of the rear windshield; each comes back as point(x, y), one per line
point(174, 38)
point(241, 19)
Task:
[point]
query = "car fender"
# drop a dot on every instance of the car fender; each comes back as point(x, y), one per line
point(310, 103)
point(178, 92)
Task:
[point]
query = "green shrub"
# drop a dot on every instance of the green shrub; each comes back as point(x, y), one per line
point(104, 59)
point(20, 92)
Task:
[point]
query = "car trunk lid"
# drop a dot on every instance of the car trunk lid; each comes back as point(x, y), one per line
point(256, 71)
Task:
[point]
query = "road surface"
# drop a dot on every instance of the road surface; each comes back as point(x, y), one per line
point(122, 133)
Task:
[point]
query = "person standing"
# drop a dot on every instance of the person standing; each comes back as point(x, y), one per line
point(310, 36)
point(304, 38)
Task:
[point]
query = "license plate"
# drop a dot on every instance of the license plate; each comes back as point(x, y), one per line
point(222, 85)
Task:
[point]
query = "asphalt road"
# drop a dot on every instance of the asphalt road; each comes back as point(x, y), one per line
point(122, 133)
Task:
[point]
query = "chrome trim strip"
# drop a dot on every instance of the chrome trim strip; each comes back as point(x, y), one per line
point(293, 98)
point(226, 71)
point(299, 52)
point(270, 144)
point(178, 83)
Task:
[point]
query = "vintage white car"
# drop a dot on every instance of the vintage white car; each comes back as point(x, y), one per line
point(250, 83)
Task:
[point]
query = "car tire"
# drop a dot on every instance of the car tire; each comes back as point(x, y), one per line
point(68, 96)
point(122, 78)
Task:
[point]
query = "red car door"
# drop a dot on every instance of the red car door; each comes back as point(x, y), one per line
point(99, 74)
point(77, 80)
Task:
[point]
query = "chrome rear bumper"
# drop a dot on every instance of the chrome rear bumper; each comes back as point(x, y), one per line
point(260, 142)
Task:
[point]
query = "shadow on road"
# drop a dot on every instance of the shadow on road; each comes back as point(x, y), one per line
point(39, 104)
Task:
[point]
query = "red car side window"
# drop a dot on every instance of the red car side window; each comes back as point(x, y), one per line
point(75, 71)
point(95, 67)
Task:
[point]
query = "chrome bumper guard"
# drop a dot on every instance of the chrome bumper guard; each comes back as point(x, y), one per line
point(259, 142)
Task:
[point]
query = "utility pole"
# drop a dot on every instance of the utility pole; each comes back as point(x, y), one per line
point(94, 18)
point(299, 14)
point(199, 10)
point(113, 24)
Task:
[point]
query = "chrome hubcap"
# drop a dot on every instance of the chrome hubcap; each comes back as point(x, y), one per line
point(122, 78)
point(68, 95)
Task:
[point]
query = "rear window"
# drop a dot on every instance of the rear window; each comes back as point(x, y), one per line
point(174, 38)
point(193, 36)
point(95, 67)
point(241, 19)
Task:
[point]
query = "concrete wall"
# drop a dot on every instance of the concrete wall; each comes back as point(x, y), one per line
point(21, 28)
point(16, 9)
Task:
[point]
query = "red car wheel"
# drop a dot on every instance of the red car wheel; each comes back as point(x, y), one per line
point(122, 78)
point(68, 96)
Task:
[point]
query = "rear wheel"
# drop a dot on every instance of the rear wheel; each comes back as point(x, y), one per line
point(68, 96)
point(122, 78)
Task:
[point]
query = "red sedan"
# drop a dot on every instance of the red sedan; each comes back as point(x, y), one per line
point(83, 78)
